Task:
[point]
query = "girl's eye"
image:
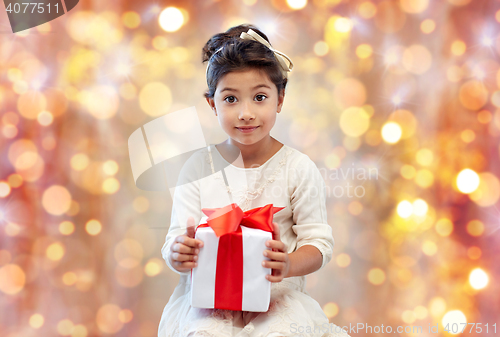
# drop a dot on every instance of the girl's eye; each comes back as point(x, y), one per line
point(232, 97)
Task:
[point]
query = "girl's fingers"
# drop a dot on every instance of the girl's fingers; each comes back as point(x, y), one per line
point(185, 265)
point(272, 278)
point(276, 256)
point(181, 248)
point(189, 241)
point(278, 245)
point(273, 264)
point(184, 257)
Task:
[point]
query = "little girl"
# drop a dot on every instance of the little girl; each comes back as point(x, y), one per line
point(246, 79)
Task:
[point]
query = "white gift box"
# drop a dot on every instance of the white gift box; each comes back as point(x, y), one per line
point(255, 290)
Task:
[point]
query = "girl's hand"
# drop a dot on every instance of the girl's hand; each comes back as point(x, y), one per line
point(184, 250)
point(279, 263)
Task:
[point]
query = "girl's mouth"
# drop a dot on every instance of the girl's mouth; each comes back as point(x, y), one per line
point(247, 129)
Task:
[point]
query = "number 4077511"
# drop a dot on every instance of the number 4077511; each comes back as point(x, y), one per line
point(35, 7)
point(475, 327)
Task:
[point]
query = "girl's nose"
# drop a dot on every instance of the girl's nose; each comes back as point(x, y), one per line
point(246, 112)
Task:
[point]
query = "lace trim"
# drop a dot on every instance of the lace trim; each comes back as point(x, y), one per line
point(248, 196)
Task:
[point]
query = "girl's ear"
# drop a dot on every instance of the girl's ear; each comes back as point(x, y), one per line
point(211, 102)
point(281, 99)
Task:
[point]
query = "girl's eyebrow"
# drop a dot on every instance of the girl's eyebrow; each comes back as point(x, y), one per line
point(256, 87)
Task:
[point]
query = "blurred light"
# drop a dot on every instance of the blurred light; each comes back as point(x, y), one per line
point(407, 171)
point(376, 276)
point(155, 99)
point(444, 227)
point(424, 178)
point(404, 209)
point(367, 10)
point(437, 306)
point(131, 19)
point(355, 208)
point(171, 19)
point(475, 228)
point(296, 4)
point(66, 228)
point(331, 309)
point(473, 95)
point(110, 167)
point(364, 51)
point(153, 267)
point(343, 25)
point(474, 252)
point(424, 157)
point(56, 200)
point(4, 191)
point(408, 316)
point(414, 6)
point(343, 260)
point(140, 204)
point(321, 48)
point(420, 207)
point(467, 136)
point(488, 192)
point(458, 47)
point(125, 315)
point(454, 73)
point(478, 279)
point(110, 185)
point(69, 278)
point(354, 121)
point(93, 227)
point(467, 181)
point(427, 26)
point(454, 317)
point(15, 180)
point(12, 229)
point(417, 59)
point(65, 327)
point(429, 248)
point(79, 331)
point(391, 132)
point(55, 251)
point(79, 161)
point(487, 41)
point(396, 99)
point(107, 319)
point(12, 279)
point(36, 321)
point(421, 312)
point(45, 118)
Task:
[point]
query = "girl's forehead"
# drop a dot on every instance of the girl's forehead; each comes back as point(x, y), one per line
point(244, 79)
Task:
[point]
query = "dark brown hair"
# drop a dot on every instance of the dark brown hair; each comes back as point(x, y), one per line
point(239, 55)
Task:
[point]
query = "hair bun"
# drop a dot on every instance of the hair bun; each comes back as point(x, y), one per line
point(219, 40)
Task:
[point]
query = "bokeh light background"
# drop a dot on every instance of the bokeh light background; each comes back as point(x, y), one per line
point(406, 90)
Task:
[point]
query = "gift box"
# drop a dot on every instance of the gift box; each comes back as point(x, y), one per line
point(230, 274)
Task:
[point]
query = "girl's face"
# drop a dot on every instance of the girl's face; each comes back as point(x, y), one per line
point(246, 103)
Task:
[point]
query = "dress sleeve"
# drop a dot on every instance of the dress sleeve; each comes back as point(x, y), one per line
point(186, 203)
point(308, 203)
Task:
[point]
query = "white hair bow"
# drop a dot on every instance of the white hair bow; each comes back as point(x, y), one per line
point(281, 57)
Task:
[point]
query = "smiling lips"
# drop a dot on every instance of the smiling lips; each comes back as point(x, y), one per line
point(247, 129)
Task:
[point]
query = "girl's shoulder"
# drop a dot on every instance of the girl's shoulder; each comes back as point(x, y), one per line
point(298, 159)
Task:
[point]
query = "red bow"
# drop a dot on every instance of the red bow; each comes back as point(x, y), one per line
point(228, 219)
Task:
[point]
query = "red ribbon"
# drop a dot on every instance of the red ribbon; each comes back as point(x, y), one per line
point(226, 222)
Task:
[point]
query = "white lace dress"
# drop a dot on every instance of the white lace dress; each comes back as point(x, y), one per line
point(289, 179)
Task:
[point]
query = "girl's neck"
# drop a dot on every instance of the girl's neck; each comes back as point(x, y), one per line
point(253, 155)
